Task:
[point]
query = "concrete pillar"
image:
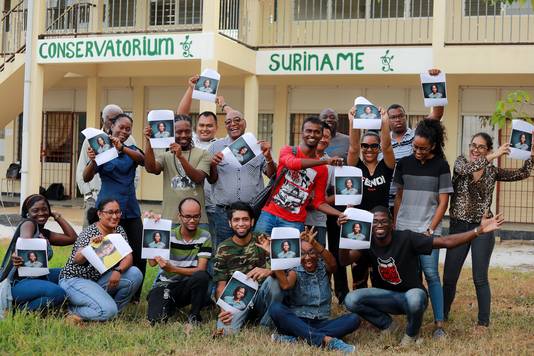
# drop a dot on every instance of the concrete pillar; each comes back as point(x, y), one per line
point(93, 102)
point(210, 16)
point(452, 121)
point(206, 105)
point(250, 111)
point(141, 14)
point(97, 14)
point(31, 139)
point(280, 118)
point(139, 118)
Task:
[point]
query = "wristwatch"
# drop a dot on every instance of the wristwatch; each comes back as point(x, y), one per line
point(476, 231)
point(117, 269)
point(430, 231)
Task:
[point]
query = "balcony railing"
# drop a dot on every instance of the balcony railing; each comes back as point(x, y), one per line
point(77, 17)
point(486, 22)
point(327, 22)
point(13, 35)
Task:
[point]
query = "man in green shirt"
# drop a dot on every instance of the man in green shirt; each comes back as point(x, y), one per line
point(242, 252)
point(183, 279)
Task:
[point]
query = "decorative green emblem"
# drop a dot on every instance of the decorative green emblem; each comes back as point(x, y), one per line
point(186, 47)
point(386, 62)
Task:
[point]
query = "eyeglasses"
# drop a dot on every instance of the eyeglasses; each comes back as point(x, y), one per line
point(112, 212)
point(372, 146)
point(421, 149)
point(380, 222)
point(397, 117)
point(311, 253)
point(235, 120)
point(479, 148)
point(190, 217)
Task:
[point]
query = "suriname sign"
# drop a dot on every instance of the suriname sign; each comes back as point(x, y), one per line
point(125, 48)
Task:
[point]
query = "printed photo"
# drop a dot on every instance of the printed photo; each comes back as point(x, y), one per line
point(33, 258)
point(100, 143)
point(367, 112)
point(207, 85)
point(162, 129)
point(348, 185)
point(155, 239)
point(356, 230)
point(289, 248)
point(242, 151)
point(238, 293)
point(434, 90)
point(107, 253)
point(521, 140)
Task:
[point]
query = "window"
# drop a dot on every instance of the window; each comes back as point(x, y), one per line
point(175, 12)
point(265, 127)
point(422, 8)
point(310, 9)
point(348, 9)
point(120, 13)
point(387, 9)
point(482, 8)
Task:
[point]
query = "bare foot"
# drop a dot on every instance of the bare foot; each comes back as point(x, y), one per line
point(74, 320)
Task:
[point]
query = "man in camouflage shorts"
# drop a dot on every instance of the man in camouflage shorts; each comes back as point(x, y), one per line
point(240, 253)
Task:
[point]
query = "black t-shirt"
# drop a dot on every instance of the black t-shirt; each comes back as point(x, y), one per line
point(396, 267)
point(375, 187)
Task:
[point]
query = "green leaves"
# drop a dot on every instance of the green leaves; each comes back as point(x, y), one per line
point(511, 107)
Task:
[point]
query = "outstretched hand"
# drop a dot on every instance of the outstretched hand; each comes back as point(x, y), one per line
point(264, 242)
point(489, 225)
point(151, 215)
point(308, 235)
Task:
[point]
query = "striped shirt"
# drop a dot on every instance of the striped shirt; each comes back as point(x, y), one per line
point(185, 254)
point(400, 150)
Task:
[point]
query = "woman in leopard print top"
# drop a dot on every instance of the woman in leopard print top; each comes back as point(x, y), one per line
point(474, 181)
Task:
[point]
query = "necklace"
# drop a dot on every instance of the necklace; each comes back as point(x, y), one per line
point(180, 174)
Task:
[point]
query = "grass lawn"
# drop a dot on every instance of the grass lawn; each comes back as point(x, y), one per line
point(511, 332)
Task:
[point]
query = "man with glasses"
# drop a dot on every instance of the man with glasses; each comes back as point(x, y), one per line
point(235, 183)
point(184, 278)
point(307, 308)
point(395, 272)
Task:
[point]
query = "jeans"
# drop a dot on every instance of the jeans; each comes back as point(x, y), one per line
point(429, 264)
point(375, 305)
point(134, 231)
point(93, 301)
point(267, 221)
point(36, 293)
point(481, 249)
point(321, 234)
point(311, 330)
point(268, 293)
point(165, 299)
point(219, 219)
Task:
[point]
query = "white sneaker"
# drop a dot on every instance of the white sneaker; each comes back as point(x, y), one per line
point(411, 340)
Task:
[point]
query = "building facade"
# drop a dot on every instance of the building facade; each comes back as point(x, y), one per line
point(278, 60)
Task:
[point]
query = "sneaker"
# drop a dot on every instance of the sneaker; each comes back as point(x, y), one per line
point(288, 339)
point(194, 320)
point(439, 334)
point(410, 340)
point(340, 345)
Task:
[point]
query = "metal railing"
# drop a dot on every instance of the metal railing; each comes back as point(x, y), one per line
point(485, 22)
point(13, 35)
point(68, 17)
point(327, 22)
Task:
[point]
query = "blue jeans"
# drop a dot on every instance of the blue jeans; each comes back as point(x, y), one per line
point(93, 301)
point(429, 264)
point(267, 221)
point(219, 219)
point(268, 293)
point(311, 330)
point(375, 305)
point(35, 293)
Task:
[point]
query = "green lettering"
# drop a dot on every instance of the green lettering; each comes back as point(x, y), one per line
point(52, 50)
point(118, 42)
point(109, 48)
point(286, 66)
point(310, 57)
point(326, 60)
point(70, 50)
point(79, 49)
point(344, 56)
point(297, 57)
point(127, 48)
point(136, 46)
point(169, 46)
point(358, 61)
point(152, 51)
point(41, 48)
point(89, 49)
point(61, 50)
point(275, 65)
point(99, 49)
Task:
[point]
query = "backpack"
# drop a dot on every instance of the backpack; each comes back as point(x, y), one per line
point(13, 171)
point(55, 191)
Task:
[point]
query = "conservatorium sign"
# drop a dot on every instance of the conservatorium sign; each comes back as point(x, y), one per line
point(122, 48)
point(317, 61)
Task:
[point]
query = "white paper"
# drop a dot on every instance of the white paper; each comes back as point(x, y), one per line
point(29, 249)
point(162, 123)
point(105, 152)
point(356, 232)
point(152, 229)
point(242, 151)
point(285, 237)
point(345, 194)
point(227, 300)
point(110, 256)
point(518, 149)
point(434, 89)
point(207, 85)
point(367, 115)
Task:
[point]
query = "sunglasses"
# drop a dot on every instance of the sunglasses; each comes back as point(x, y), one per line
point(372, 146)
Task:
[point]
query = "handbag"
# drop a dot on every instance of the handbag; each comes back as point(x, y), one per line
point(264, 196)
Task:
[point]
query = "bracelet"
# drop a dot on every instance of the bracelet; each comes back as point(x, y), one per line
point(122, 148)
point(477, 233)
point(268, 162)
point(57, 216)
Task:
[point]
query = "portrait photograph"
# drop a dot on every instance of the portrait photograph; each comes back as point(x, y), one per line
point(434, 90)
point(521, 140)
point(367, 112)
point(355, 234)
point(100, 143)
point(356, 230)
point(242, 151)
point(285, 248)
point(33, 258)
point(155, 239)
point(207, 85)
point(348, 185)
point(108, 254)
point(238, 293)
point(162, 128)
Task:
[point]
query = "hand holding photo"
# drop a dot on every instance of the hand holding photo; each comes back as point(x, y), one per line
point(285, 248)
point(35, 255)
point(521, 140)
point(162, 124)
point(238, 293)
point(207, 85)
point(348, 185)
point(367, 115)
point(434, 89)
point(242, 150)
point(101, 144)
point(156, 238)
point(107, 253)
point(356, 232)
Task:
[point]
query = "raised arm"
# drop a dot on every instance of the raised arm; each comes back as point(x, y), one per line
point(83, 160)
point(184, 108)
point(135, 155)
point(385, 141)
point(451, 241)
point(353, 156)
point(347, 257)
point(68, 237)
point(436, 113)
point(151, 165)
point(195, 174)
point(90, 169)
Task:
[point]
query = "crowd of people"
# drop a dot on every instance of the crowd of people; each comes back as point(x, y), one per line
point(407, 185)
